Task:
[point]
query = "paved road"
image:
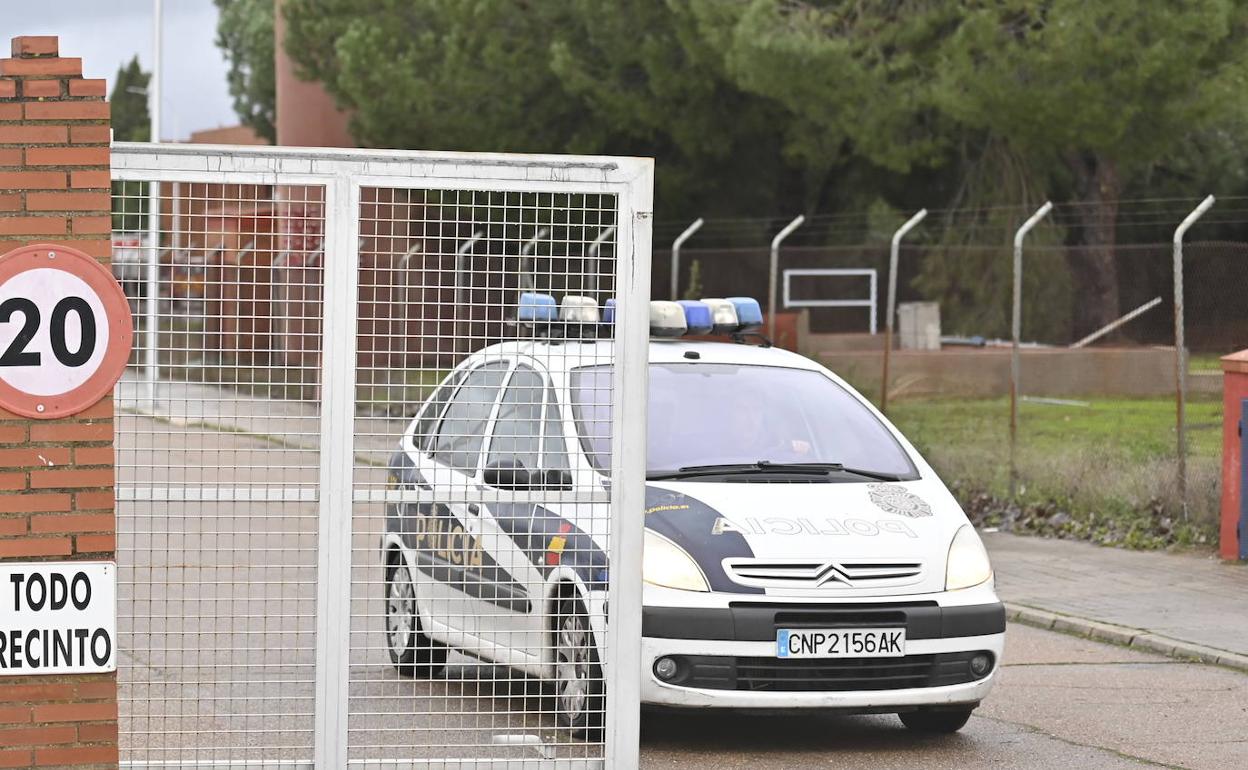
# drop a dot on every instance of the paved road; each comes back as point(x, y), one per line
point(1061, 702)
point(217, 618)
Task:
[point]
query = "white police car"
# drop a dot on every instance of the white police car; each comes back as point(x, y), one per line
point(799, 553)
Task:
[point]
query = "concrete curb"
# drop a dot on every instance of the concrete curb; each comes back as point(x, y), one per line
point(1135, 638)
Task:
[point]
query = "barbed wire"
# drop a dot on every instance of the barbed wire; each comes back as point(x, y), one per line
point(1135, 213)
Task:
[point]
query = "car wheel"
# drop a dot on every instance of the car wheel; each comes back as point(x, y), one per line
point(411, 652)
point(578, 686)
point(943, 721)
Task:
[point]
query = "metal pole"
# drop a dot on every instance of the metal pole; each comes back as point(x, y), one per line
point(151, 302)
point(592, 257)
point(893, 256)
point(337, 441)
point(1016, 326)
point(1180, 369)
point(461, 255)
point(153, 87)
point(676, 244)
point(775, 267)
point(151, 305)
point(527, 279)
point(1116, 323)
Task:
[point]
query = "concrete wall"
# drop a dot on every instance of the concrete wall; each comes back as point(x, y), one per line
point(985, 372)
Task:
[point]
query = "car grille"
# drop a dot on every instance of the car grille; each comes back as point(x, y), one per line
point(822, 574)
point(824, 675)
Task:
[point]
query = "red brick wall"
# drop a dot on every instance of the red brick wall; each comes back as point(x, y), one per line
point(56, 476)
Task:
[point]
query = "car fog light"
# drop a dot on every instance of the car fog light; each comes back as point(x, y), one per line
point(665, 669)
point(981, 664)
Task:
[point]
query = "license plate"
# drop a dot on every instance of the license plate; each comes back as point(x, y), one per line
point(841, 643)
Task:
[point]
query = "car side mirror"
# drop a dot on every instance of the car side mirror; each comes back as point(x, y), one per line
point(508, 474)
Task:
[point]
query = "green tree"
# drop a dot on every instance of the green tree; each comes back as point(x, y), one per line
point(758, 108)
point(131, 123)
point(131, 120)
point(245, 34)
point(1071, 99)
point(694, 290)
point(627, 77)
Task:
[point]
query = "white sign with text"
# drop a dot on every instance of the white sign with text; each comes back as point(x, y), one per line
point(58, 617)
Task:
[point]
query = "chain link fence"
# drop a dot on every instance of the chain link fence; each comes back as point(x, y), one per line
point(1097, 454)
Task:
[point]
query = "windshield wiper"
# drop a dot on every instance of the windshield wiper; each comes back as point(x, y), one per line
point(831, 468)
point(767, 466)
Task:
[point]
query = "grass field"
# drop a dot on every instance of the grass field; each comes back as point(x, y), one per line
point(1111, 459)
point(1204, 362)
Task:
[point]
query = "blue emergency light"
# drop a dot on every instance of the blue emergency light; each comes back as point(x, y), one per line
point(749, 314)
point(697, 316)
point(536, 308)
point(608, 312)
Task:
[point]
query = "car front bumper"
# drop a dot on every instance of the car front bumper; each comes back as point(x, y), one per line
point(726, 654)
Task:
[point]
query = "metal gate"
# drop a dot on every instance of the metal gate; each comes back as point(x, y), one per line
point(366, 517)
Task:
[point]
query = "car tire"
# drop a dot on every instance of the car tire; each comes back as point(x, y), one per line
point(412, 653)
point(943, 721)
point(579, 700)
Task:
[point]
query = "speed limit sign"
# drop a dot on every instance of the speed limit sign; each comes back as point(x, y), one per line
point(65, 331)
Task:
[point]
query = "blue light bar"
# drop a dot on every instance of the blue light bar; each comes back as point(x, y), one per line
point(749, 314)
point(697, 316)
point(608, 312)
point(537, 308)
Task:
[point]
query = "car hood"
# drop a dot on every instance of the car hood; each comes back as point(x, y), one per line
point(845, 539)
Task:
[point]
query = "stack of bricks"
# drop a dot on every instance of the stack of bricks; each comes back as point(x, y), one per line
point(56, 476)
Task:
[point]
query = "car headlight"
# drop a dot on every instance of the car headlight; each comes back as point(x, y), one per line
point(968, 563)
point(663, 563)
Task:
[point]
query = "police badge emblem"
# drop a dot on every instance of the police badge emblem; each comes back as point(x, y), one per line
point(898, 500)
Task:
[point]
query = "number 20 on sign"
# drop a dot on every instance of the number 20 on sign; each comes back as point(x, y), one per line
point(65, 331)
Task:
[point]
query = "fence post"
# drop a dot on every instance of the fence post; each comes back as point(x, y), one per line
point(461, 257)
point(893, 257)
point(334, 527)
point(1016, 329)
point(592, 257)
point(676, 244)
point(774, 269)
point(1180, 368)
point(527, 280)
point(151, 300)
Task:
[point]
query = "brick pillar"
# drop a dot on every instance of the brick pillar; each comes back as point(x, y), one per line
point(56, 476)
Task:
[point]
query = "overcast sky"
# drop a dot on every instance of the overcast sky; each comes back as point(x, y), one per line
point(106, 33)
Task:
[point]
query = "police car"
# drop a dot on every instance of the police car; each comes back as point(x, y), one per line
point(799, 553)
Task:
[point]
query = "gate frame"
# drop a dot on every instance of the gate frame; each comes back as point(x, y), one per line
point(342, 173)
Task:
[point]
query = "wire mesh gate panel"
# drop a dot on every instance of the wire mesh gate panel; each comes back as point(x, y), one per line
point(371, 505)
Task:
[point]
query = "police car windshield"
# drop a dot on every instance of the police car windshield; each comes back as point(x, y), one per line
point(713, 414)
